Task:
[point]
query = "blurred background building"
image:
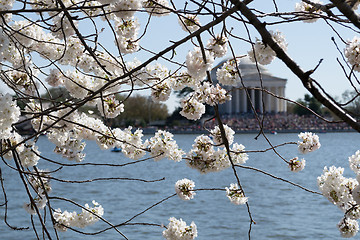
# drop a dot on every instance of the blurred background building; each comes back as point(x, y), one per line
point(262, 101)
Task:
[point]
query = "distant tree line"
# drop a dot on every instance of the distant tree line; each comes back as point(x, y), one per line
point(140, 110)
point(349, 98)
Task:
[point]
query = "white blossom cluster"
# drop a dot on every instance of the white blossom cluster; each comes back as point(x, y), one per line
point(157, 77)
point(189, 23)
point(127, 28)
point(25, 82)
point(352, 53)
point(132, 147)
point(4, 44)
point(161, 91)
point(73, 52)
point(68, 144)
point(56, 119)
point(59, 19)
point(344, 193)
point(162, 145)
point(218, 45)
point(157, 8)
point(228, 74)
point(182, 80)
point(106, 139)
point(69, 135)
point(128, 140)
point(127, 31)
point(26, 32)
point(196, 63)
point(55, 78)
point(62, 27)
point(336, 187)
point(30, 155)
point(9, 114)
point(262, 53)
point(237, 154)
point(139, 77)
point(235, 194)
point(178, 230)
point(348, 227)
point(11, 140)
point(296, 165)
point(40, 181)
point(88, 216)
point(86, 126)
point(205, 158)
point(309, 11)
point(6, 5)
point(39, 201)
point(193, 106)
point(27, 153)
point(216, 135)
point(354, 162)
point(110, 107)
point(41, 184)
point(215, 95)
point(309, 142)
point(184, 189)
point(77, 84)
point(38, 122)
point(123, 8)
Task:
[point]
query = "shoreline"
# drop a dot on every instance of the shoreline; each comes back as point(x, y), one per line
point(246, 131)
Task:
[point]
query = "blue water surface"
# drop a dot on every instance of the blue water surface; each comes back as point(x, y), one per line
point(281, 211)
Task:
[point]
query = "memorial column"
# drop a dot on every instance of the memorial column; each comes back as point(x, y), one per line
point(252, 95)
point(237, 101)
point(268, 101)
point(276, 100)
point(261, 101)
point(244, 100)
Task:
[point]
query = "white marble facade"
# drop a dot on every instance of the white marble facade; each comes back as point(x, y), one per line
point(261, 101)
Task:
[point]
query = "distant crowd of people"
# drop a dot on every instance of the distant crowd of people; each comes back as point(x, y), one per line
point(273, 122)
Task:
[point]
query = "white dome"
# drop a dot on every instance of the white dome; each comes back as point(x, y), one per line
point(246, 66)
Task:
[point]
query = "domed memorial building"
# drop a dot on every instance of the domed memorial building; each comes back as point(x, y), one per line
point(240, 103)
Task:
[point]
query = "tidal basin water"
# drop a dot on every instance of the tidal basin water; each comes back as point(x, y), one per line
point(280, 210)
